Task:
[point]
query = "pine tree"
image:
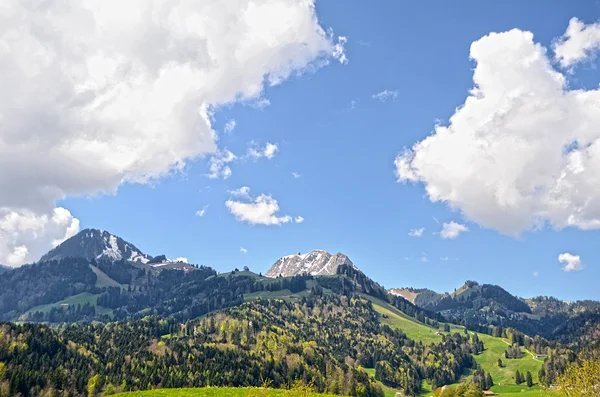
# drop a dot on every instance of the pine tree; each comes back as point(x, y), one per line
point(500, 363)
point(488, 382)
point(518, 378)
point(529, 379)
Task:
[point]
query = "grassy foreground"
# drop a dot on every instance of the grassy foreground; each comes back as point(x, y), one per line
point(224, 392)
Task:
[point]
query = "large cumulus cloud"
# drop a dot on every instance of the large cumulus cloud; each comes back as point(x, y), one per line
point(523, 150)
point(99, 92)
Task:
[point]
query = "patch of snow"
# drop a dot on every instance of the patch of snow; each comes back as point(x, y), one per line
point(112, 248)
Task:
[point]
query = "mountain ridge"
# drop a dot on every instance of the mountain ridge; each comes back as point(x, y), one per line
point(95, 244)
point(479, 306)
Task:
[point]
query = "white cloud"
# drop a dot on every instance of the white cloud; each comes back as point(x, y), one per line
point(25, 236)
point(262, 210)
point(452, 230)
point(243, 250)
point(268, 151)
point(244, 191)
point(102, 92)
point(299, 219)
point(201, 212)
point(296, 175)
point(424, 259)
point(536, 274)
point(416, 232)
point(578, 43)
point(230, 126)
point(570, 262)
point(218, 164)
point(444, 258)
point(181, 259)
point(522, 151)
point(383, 96)
point(353, 105)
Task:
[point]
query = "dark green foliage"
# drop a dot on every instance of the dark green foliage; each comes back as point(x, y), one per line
point(41, 283)
point(518, 378)
point(529, 379)
point(319, 340)
point(513, 351)
point(483, 380)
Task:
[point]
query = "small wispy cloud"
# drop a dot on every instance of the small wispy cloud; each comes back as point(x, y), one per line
point(260, 103)
point(230, 126)
point(201, 212)
point(296, 175)
point(386, 95)
point(536, 274)
point(218, 164)
point(452, 230)
point(243, 250)
point(416, 232)
point(353, 105)
point(244, 191)
point(299, 219)
point(268, 151)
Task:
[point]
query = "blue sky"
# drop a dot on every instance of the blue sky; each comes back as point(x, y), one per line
point(341, 142)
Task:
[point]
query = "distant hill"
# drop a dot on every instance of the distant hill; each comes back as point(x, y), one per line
point(316, 263)
point(423, 297)
point(4, 269)
point(94, 244)
point(482, 305)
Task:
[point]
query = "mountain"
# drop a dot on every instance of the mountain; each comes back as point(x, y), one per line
point(316, 263)
point(94, 244)
point(423, 297)
point(4, 269)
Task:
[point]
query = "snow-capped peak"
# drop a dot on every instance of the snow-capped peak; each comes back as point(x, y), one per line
point(97, 244)
point(316, 262)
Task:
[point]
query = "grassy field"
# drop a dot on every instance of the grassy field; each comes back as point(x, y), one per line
point(411, 327)
point(222, 392)
point(80, 299)
point(494, 349)
point(102, 280)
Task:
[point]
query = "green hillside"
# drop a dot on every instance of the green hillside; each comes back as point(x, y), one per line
point(223, 392)
point(494, 349)
point(504, 378)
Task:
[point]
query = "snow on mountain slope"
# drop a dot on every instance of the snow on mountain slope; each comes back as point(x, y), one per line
point(317, 263)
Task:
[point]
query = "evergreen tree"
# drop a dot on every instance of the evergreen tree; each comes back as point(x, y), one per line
point(518, 378)
point(529, 379)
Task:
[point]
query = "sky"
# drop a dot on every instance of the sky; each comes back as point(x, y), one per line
point(432, 144)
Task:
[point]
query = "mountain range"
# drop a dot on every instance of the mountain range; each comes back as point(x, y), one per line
point(93, 261)
point(313, 316)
